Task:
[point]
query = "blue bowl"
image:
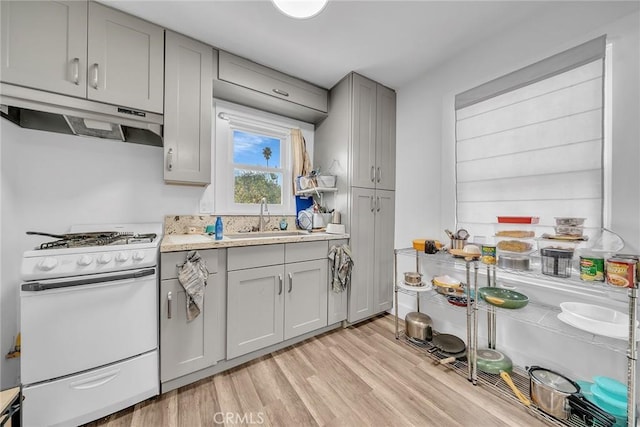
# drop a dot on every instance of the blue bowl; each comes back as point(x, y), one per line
point(607, 403)
point(611, 387)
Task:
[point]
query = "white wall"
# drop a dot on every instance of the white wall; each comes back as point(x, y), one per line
point(51, 181)
point(425, 153)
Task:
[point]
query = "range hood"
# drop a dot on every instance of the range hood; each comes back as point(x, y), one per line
point(40, 110)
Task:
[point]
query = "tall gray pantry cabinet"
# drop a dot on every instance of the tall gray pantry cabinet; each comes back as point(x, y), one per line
point(357, 143)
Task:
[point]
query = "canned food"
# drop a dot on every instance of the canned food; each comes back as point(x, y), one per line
point(592, 268)
point(621, 272)
point(488, 254)
point(636, 258)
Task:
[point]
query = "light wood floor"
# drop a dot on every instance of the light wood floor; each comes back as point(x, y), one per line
point(357, 376)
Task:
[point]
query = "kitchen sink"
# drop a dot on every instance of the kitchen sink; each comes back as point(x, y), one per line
point(265, 234)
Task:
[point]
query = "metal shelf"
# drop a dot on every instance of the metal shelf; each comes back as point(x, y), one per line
point(536, 314)
point(494, 383)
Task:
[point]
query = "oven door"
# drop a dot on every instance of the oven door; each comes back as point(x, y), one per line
point(75, 324)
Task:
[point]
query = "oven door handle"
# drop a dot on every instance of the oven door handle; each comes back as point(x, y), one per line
point(39, 286)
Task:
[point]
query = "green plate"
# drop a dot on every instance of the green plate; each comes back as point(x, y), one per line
point(504, 298)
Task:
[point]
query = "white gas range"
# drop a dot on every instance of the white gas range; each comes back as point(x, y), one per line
point(89, 323)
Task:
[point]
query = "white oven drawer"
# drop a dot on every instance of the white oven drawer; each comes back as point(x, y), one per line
point(78, 399)
point(73, 329)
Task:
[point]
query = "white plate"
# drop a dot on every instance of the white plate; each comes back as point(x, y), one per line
point(423, 287)
point(576, 322)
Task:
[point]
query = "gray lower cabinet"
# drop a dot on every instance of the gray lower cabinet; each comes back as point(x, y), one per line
point(189, 346)
point(254, 303)
point(305, 301)
point(271, 303)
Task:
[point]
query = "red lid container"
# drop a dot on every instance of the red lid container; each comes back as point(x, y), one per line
point(518, 219)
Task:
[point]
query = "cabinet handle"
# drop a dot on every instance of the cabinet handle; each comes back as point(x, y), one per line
point(290, 282)
point(76, 71)
point(170, 159)
point(373, 174)
point(94, 81)
point(169, 299)
point(378, 204)
point(280, 284)
point(379, 174)
point(372, 205)
point(281, 92)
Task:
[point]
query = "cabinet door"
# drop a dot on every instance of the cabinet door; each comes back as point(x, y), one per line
point(384, 244)
point(185, 346)
point(125, 60)
point(386, 139)
point(254, 309)
point(305, 303)
point(44, 45)
point(363, 128)
point(187, 110)
point(257, 77)
point(336, 301)
point(361, 292)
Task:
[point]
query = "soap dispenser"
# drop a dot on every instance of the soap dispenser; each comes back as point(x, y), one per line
point(219, 228)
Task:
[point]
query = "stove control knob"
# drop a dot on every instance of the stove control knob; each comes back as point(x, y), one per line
point(85, 260)
point(47, 264)
point(104, 259)
point(138, 256)
point(122, 257)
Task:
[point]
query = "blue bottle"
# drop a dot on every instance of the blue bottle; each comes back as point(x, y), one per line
point(219, 228)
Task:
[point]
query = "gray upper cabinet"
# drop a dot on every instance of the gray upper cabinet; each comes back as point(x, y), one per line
point(44, 45)
point(374, 135)
point(240, 71)
point(245, 82)
point(125, 59)
point(385, 138)
point(85, 50)
point(364, 132)
point(187, 118)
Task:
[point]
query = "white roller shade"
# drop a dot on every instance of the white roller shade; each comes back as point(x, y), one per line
point(534, 148)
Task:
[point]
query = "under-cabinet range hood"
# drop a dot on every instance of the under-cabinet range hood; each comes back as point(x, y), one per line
point(40, 110)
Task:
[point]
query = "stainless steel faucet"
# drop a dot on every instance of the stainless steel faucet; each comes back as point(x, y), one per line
point(263, 208)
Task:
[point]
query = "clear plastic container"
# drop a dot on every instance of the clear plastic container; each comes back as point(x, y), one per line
point(556, 262)
point(570, 221)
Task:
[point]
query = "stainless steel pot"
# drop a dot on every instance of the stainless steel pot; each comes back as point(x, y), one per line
point(418, 326)
point(560, 397)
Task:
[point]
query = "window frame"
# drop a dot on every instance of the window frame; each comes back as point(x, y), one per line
point(227, 118)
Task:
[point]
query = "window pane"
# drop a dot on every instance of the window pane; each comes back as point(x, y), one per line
point(255, 150)
point(251, 186)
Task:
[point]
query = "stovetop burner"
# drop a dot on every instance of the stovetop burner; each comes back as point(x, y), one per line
point(78, 240)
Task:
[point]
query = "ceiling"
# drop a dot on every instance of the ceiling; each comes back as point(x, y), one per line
point(392, 42)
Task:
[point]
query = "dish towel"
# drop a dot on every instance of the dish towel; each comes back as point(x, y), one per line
point(341, 266)
point(192, 275)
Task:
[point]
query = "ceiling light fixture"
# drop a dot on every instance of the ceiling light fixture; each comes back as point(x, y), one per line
point(300, 9)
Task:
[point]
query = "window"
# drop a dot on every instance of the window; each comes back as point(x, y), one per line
point(253, 177)
point(531, 142)
point(252, 158)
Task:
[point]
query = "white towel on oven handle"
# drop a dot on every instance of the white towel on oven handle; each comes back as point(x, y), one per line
point(192, 275)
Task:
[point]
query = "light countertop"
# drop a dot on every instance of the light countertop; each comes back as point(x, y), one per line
point(187, 242)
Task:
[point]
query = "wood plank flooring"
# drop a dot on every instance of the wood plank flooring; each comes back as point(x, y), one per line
point(357, 376)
